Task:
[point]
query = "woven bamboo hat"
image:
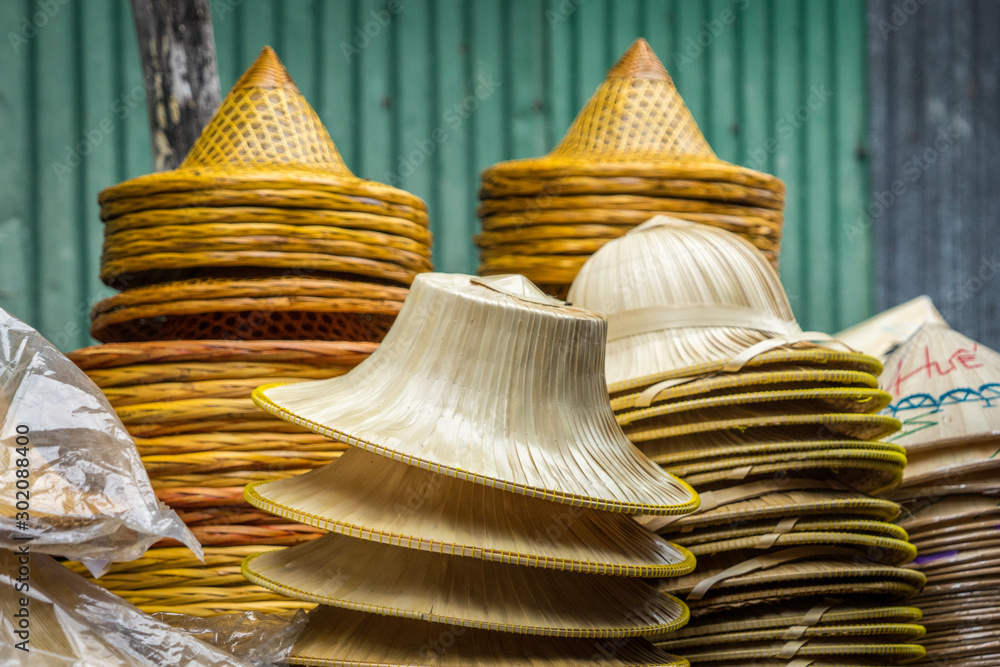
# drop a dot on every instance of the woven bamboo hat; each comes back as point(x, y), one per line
point(934, 514)
point(344, 572)
point(264, 135)
point(879, 335)
point(945, 387)
point(348, 638)
point(731, 580)
point(680, 295)
point(366, 496)
point(464, 384)
point(286, 307)
point(635, 124)
point(774, 499)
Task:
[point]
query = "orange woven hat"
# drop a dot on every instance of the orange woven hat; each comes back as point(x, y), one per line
point(636, 124)
point(263, 136)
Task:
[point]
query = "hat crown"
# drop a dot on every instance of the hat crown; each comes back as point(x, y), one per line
point(635, 115)
point(465, 340)
point(264, 121)
point(946, 387)
point(667, 262)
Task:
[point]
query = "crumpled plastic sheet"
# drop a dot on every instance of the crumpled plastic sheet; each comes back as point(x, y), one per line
point(256, 637)
point(71, 622)
point(88, 496)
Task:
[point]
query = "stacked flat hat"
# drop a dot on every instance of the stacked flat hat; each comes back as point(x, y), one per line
point(946, 389)
point(261, 232)
point(481, 512)
point(882, 334)
point(634, 151)
point(187, 405)
point(776, 428)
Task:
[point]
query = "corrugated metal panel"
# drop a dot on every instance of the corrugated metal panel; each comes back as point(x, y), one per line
point(426, 97)
point(935, 99)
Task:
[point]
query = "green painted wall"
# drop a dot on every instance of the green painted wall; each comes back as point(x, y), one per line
point(775, 84)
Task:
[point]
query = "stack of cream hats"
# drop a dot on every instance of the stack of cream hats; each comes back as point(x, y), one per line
point(483, 503)
point(711, 377)
point(881, 334)
point(946, 390)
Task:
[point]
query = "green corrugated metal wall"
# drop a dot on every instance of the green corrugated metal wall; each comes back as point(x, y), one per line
point(775, 84)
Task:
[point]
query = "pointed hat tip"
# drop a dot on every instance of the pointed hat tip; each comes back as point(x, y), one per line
point(266, 72)
point(639, 62)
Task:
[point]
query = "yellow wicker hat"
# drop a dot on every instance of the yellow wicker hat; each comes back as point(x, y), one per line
point(348, 638)
point(489, 380)
point(734, 444)
point(369, 497)
point(636, 122)
point(677, 294)
point(879, 335)
point(344, 572)
point(263, 136)
point(287, 307)
point(946, 389)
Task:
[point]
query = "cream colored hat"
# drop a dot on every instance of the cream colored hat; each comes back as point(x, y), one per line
point(350, 639)
point(491, 381)
point(357, 574)
point(678, 294)
point(945, 386)
point(367, 496)
point(880, 334)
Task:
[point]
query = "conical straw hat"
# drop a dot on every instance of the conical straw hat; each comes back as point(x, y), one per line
point(264, 135)
point(931, 514)
point(766, 531)
point(835, 399)
point(345, 638)
point(947, 462)
point(880, 334)
point(635, 122)
point(678, 294)
point(803, 565)
point(866, 470)
point(735, 383)
point(775, 499)
point(706, 446)
point(882, 633)
point(946, 388)
point(490, 381)
point(799, 615)
point(366, 496)
point(806, 649)
point(357, 574)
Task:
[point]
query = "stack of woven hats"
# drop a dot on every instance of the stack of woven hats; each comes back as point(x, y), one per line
point(187, 405)
point(946, 390)
point(481, 512)
point(633, 151)
point(262, 232)
point(711, 377)
point(270, 262)
point(881, 334)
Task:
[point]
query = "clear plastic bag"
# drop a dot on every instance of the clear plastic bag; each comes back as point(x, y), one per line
point(67, 621)
point(71, 478)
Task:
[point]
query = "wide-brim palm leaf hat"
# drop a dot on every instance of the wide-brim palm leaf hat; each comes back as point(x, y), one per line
point(489, 380)
point(684, 300)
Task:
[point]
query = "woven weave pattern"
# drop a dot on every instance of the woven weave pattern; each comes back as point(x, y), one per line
point(772, 452)
point(265, 120)
point(635, 121)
